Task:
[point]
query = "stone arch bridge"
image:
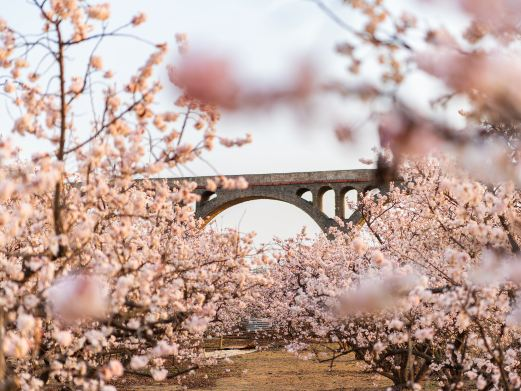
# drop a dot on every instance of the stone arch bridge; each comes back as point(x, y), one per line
point(289, 188)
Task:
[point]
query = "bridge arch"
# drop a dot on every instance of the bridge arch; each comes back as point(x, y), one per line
point(209, 209)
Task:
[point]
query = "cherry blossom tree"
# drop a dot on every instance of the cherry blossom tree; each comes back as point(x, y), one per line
point(427, 288)
point(103, 268)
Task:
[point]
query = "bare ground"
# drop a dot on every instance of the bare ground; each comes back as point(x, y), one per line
point(270, 370)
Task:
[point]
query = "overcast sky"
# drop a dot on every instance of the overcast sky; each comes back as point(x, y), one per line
point(265, 38)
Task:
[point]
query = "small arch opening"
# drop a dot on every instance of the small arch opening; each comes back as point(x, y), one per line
point(207, 196)
point(350, 202)
point(327, 201)
point(371, 191)
point(305, 194)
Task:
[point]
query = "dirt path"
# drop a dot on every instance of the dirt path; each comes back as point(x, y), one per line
point(272, 370)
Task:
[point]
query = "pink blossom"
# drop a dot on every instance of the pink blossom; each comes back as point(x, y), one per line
point(366, 161)
point(78, 297)
point(115, 368)
point(25, 323)
point(96, 62)
point(64, 338)
point(139, 19)
point(138, 362)
point(211, 185)
point(99, 11)
point(424, 334)
point(359, 246)
point(9, 87)
point(207, 79)
point(15, 346)
point(159, 374)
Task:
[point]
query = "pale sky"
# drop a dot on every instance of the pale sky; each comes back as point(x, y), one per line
point(265, 38)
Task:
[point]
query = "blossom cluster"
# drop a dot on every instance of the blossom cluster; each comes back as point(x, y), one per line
point(427, 288)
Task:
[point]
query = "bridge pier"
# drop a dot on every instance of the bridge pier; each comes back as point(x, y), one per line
point(340, 203)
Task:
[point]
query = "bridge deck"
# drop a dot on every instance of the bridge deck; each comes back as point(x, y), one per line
point(293, 178)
